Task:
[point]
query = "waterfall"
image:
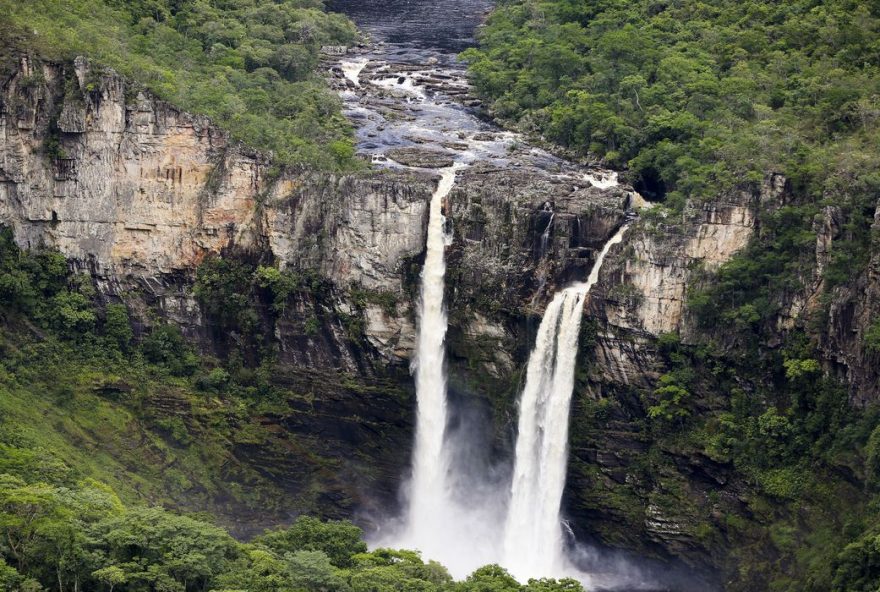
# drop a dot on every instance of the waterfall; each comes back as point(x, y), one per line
point(429, 503)
point(352, 70)
point(533, 542)
point(545, 236)
point(450, 518)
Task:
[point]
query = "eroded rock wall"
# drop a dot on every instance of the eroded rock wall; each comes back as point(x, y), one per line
point(138, 194)
point(855, 309)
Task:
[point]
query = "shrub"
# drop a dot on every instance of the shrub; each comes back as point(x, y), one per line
point(165, 346)
point(871, 339)
point(338, 540)
point(117, 326)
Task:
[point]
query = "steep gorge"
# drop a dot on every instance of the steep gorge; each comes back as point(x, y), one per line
point(142, 194)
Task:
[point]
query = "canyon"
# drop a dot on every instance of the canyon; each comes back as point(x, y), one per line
point(140, 194)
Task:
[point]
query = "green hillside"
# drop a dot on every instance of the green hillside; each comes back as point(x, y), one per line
point(250, 65)
point(695, 97)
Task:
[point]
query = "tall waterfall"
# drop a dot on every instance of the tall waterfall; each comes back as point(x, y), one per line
point(533, 543)
point(429, 503)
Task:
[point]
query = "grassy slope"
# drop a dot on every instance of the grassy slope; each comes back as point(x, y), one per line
point(149, 435)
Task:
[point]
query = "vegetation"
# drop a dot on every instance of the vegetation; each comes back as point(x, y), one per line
point(57, 537)
point(145, 416)
point(693, 97)
point(73, 513)
point(248, 64)
point(698, 99)
point(82, 536)
point(788, 435)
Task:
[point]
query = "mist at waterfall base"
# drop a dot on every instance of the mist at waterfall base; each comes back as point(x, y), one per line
point(443, 519)
point(465, 511)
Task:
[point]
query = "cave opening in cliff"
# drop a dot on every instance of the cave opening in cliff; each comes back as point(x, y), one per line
point(650, 185)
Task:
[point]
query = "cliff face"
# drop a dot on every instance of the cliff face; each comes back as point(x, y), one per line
point(643, 287)
point(139, 195)
point(854, 309)
point(674, 499)
point(110, 175)
point(617, 492)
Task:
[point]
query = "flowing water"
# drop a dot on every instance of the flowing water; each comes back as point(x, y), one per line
point(406, 90)
point(429, 498)
point(447, 26)
point(533, 542)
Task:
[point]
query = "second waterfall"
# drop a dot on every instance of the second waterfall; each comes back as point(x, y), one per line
point(533, 544)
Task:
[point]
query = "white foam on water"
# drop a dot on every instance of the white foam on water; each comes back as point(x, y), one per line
point(603, 180)
point(352, 69)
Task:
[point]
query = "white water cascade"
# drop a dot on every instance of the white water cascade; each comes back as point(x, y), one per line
point(429, 490)
point(352, 70)
point(431, 508)
point(460, 532)
point(533, 541)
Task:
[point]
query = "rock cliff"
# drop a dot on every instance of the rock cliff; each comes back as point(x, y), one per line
point(139, 194)
point(628, 499)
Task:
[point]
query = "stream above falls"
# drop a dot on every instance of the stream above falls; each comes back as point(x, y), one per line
point(445, 27)
point(408, 96)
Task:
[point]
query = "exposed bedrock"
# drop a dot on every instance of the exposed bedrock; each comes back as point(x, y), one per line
point(139, 194)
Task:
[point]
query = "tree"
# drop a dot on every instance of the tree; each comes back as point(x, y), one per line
point(672, 400)
point(312, 571)
point(339, 540)
point(257, 570)
point(165, 346)
point(491, 578)
point(117, 326)
point(548, 585)
point(408, 565)
point(12, 581)
point(71, 314)
point(161, 550)
point(45, 528)
point(111, 576)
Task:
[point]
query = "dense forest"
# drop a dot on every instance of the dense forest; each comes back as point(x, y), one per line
point(249, 65)
point(693, 97)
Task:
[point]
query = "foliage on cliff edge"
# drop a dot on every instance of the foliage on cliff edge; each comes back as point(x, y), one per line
point(250, 65)
point(695, 97)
